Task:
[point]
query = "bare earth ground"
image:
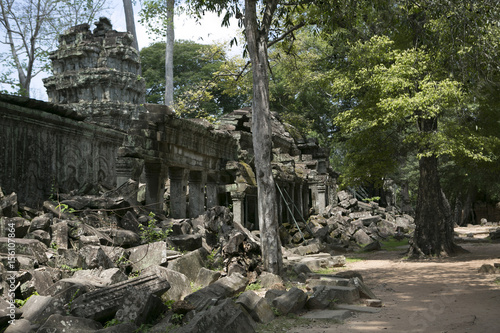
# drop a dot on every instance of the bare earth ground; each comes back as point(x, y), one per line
point(439, 295)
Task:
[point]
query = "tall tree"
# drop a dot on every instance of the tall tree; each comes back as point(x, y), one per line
point(158, 15)
point(128, 8)
point(31, 28)
point(265, 22)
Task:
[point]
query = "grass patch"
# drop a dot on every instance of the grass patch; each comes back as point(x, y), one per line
point(351, 260)
point(254, 286)
point(393, 244)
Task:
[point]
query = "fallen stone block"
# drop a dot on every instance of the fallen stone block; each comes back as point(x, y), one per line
point(256, 306)
point(180, 286)
point(95, 257)
point(150, 254)
point(186, 242)
point(8, 311)
point(123, 238)
point(364, 291)
point(223, 317)
point(40, 235)
point(38, 309)
point(139, 307)
point(189, 264)
point(269, 280)
point(19, 224)
point(31, 248)
point(129, 222)
point(102, 277)
point(41, 223)
point(375, 303)
point(58, 323)
point(60, 237)
point(327, 280)
point(226, 287)
point(103, 304)
point(206, 277)
point(292, 301)
point(486, 269)
point(8, 205)
point(21, 326)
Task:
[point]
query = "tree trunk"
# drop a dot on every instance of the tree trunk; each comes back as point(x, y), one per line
point(129, 19)
point(433, 217)
point(262, 139)
point(169, 55)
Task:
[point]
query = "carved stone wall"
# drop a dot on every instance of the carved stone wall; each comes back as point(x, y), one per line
point(97, 74)
point(45, 148)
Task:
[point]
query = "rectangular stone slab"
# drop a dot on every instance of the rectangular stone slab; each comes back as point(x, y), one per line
point(103, 303)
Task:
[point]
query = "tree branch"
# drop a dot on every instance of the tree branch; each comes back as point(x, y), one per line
point(290, 31)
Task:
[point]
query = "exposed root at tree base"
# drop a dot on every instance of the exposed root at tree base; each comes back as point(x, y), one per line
point(415, 252)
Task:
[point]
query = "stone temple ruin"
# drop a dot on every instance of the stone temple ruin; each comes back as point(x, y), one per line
point(81, 173)
point(96, 129)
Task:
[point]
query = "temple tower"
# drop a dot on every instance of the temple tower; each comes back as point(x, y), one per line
point(98, 74)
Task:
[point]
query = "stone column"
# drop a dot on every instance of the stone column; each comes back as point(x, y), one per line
point(238, 207)
point(126, 168)
point(305, 200)
point(321, 198)
point(154, 187)
point(299, 201)
point(211, 190)
point(178, 187)
point(196, 193)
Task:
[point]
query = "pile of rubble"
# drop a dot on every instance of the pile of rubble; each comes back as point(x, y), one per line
point(102, 262)
point(350, 224)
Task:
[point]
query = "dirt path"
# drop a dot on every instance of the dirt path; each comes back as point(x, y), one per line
point(442, 295)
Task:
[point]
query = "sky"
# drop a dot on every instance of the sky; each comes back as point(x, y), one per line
point(209, 30)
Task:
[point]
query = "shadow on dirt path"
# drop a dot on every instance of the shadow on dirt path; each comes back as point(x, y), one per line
point(441, 295)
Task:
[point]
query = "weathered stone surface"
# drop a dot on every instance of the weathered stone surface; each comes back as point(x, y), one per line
point(186, 242)
point(206, 277)
point(95, 257)
point(58, 323)
point(256, 306)
point(292, 301)
point(139, 307)
point(8, 205)
point(484, 269)
point(180, 286)
point(40, 281)
point(361, 237)
point(38, 308)
point(60, 235)
point(65, 288)
point(20, 225)
point(40, 235)
point(26, 247)
point(41, 223)
point(150, 254)
point(348, 295)
point(124, 238)
point(70, 258)
point(269, 280)
point(21, 326)
point(223, 288)
point(129, 222)
point(364, 291)
point(8, 311)
point(102, 277)
point(102, 304)
point(223, 317)
point(327, 280)
point(189, 264)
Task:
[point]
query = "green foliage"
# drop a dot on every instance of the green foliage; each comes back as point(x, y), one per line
point(150, 233)
point(215, 261)
point(112, 322)
point(254, 286)
point(200, 79)
point(70, 303)
point(20, 302)
point(71, 269)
